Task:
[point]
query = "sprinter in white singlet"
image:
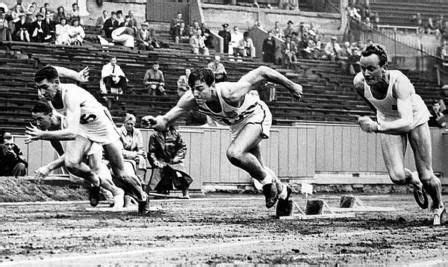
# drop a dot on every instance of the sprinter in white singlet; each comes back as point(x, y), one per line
point(401, 116)
point(87, 122)
point(248, 117)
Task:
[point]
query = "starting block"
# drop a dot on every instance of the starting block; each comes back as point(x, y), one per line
point(319, 209)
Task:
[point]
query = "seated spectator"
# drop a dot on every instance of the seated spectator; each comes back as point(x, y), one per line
point(154, 80)
point(31, 12)
point(289, 29)
point(226, 36)
point(195, 27)
point(166, 153)
point(133, 150)
point(288, 4)
point(120, 18)
point(51, 26)
point(124, 36)
point(236, 37)
point(39, 30)
point(430, 28)
point(144, 40)
point(60, 14)
point(218, 69)
point(16, 13)
point(197, 44)
point(75, 13)
point(77, 34)
point(132, 21)
point(182, 33)
point(110, 25)
point(438, 118)
point(21, 32)
point(182, 83)
point(113, 77)
point(12, 162)
point(63, 33)
point(175, 24)
point(268, 49)
point(246, 47)
point(332, 49)
point(99, 25)
point(289, 52)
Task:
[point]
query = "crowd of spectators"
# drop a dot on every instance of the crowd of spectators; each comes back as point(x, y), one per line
point(237, 43)
point(41, 24)
point(197, 35)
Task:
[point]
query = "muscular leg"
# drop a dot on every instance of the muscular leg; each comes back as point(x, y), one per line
point(394, 149)
point(74, 154)
point(131, 183)
point(420, 139)
point(97, 166)
point(239, 151)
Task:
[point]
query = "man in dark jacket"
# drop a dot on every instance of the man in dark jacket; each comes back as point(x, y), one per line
point(269, 48)
point(166, 153)
point(40, 32)
point(225, 34)
point(12, 162)
point(110, 25)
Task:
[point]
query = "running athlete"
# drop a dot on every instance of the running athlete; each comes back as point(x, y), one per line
point(248, 117)
point(401, 116)
point(88, 122)
point(45, 119)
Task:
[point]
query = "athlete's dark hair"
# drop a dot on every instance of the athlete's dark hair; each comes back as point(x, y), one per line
point(203, 74)
point(378, 50)
point(47, 72)
point(42, 107)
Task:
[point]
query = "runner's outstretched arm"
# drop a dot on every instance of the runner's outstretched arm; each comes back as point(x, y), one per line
point(82, 76)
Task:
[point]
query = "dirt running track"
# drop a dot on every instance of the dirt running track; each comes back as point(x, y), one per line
point(220, 229)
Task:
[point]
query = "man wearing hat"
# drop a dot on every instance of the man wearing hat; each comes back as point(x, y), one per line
point(289, 29)
point(332, 49)
point(12, 162)
point(144, 40)
point(39, 29)
point(226, 36)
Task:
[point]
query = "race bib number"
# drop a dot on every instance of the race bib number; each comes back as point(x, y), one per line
point(87, 118)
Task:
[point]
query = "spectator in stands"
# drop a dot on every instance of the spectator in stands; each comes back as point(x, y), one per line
point(132, 19)
point(133, 150)
point(31, 12)
point(430, 27)
point(51, 26)
point(16, 13)
point(375, 19)
point(154, 80)
point(444, 51)
point(39, 30)
point(218, 69)
point(332, 49)
point(353, 12)
point(440, 23)
point(182, 83)
point(21, 32)
point(289, 29)
point(289, 52)
point(207, 35)
point(110, 25)
point(12, 162)
point(277, 31)
point(63, 32)
point(77, 34)
point(124, 36)
point(268, 48)
point(182, 33)
point(43, 11)
point(226, 36)
point(101, 20)
point(438, 117)
point(144, 40)
point(5, 29)
point(166, 153)
point(114, 77)
point(236, 37)
point(197, 44)
point(60, 14)
point(175, 24)
point(368, 23)
point(246, 47)
point(120, 18)
point(195, 27)
point(75, 13)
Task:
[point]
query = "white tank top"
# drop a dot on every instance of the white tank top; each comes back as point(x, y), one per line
point(91, 109)
point(387, 108)
point(231, 115)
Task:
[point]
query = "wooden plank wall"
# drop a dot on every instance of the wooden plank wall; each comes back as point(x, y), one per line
point(292, 152)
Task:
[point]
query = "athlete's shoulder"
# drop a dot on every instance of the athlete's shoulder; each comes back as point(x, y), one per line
point(358, 81)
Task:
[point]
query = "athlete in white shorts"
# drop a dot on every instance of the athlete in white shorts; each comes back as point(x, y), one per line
point(401, 116)
point(87, 122)
point(248, 117)
point(46, 119)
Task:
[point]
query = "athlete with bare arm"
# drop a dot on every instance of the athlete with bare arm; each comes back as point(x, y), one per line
point(87, 122)
point(401, 116)
point(248, 117)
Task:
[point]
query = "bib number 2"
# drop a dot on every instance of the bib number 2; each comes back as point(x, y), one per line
point(86, 118)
